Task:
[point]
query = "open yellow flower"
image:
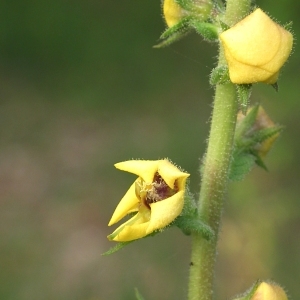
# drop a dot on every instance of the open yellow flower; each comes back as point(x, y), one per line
point(267, 291)
point(256, 48)
point(157, 196)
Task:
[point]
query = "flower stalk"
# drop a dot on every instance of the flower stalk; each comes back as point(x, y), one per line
point(215, 173)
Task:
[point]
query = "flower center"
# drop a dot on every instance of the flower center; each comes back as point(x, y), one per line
point(156, 191)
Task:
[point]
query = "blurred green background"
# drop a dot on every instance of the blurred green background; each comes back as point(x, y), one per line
point(82, 88)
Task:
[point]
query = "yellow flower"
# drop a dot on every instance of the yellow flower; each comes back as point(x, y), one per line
point(267, 291)
point(157, 196)
point(256, 48)
point(173, 12)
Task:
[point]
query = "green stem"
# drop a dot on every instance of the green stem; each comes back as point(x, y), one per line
point(215, 174)
point(213, 188)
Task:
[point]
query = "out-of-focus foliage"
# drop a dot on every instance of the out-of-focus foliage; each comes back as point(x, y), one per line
point(81, 89)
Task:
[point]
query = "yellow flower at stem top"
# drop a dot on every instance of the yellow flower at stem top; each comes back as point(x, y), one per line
point(157, 197)
point(268, 291)
point(255, 49)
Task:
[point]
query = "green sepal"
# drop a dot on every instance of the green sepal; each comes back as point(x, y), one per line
point(247, 122)
point(116, 248)
point(219, 75)
point(266, 133)
point(208, 31)
point(190, 205)
point(190, 224)
point(241, 165)
point(182, 25)
point(244, 92)
point(224, 26)
point(189, 221)
point(259, 162)
point(259, 137)
point(121, 245)
point(174, 33)
point(275, 86)
point(248, 295)
point(185, 4)
point(252, 290)
point(219, 6)
point(247, 140)
point(138, 295)
point(171, 39)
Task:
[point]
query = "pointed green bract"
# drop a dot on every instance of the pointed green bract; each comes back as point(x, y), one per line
point(259, 162)
point(266, 133)
point(185, 4)
point(192, 224)
point(241, 165)
point(208, 30)
point(190, 205)
point(254, 136)
point(116, 248)
point(171, 39)
point(174, 33)
point(219, 75)
point(189, 221)
point(121, 245)
point(244, 92)
point(224, 26)
point(275, 86)
point(247, 122)
point(250, 293)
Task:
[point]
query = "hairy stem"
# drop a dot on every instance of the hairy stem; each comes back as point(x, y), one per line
point(215, 173)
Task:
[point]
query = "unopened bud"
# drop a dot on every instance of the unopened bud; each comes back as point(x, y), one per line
point(174, 11)
point(263, 131)
point(269, 291)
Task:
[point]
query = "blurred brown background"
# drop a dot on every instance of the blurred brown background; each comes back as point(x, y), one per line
point(82, 88)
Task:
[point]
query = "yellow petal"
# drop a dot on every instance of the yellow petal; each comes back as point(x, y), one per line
point(134, 228)
point(127, 204)
point(170, 173)
point(181, 182)
point(172, 12)
point(145, 169)
point(165, 211)
point(254, 40)
point(273, 79)
point(267, 291)
point(130, 233)
point(241, 73)
point(256, 48)
point(283, 51)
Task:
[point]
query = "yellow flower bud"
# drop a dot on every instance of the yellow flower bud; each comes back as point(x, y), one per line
point(173, 12)
point(256, 48)
point(156, 196)
point(262, 121)
point(269, 291)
